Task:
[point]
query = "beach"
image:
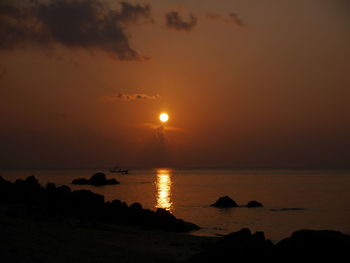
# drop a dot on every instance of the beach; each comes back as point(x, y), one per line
point(57, 224)
point(24, 240)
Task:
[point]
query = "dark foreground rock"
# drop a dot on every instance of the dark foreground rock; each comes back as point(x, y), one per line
point(237, 247)
point(225, 201)
point(311, 245)
point(97, 179)
point(252, 204)
point(303, 245)
point(26, 198)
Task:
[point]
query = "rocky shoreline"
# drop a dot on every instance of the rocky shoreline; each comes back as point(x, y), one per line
point(55, 224)
point(28, 198)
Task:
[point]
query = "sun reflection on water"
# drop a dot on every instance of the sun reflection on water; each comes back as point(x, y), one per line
point(163, 185)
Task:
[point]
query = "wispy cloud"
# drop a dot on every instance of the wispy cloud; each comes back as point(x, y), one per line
point(132, 97)
point(235, 18)
point(213, 16)
point(230, 18)
point(156, 126)
point(176, 22)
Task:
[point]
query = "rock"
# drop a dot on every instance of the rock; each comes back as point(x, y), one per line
point(27, 199)
point(303, 246)
point(239, 246)
point(113, 181)
point(98, 179)
point(165, 214)
point(225, 202)
point(167, 221)
point(254, 203)
point(85, 203)
point(240, 235)
point(312, 245)
point(135, 206)
point(80, 181)
point(27, 190)
point(50, 187)
point(117, 204)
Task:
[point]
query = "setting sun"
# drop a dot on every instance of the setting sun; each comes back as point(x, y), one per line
point(164, 117)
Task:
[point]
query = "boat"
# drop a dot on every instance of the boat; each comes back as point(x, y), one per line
point(117, 169)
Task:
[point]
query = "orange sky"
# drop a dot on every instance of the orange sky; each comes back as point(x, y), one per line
point(269, 91)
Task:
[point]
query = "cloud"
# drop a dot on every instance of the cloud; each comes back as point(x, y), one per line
point(234, 17)
point(131, 97)
point(84, 24)
point(213, 16)
point(174, 21)
point(230, 18)
point(160, 135)
point(156, 126)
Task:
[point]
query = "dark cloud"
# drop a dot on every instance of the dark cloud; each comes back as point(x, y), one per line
point(87, 24)
point(234, 17)
point(132, 13)
point(174, 21)
point(231, 18)
point(136, 96)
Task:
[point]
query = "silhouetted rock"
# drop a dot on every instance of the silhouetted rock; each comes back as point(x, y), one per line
point(239, 246)
point(26, 198)
point(81, 181)
point(97, 179)
point(225, 202)
point(169, 222)
point(254, 204)
point(312, 245)
point(303, 245)
point(135, 206)
point(50, 187)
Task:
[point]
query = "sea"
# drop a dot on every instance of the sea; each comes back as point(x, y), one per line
point(292, 199)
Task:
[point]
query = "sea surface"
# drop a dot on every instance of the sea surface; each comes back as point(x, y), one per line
point(293, 199)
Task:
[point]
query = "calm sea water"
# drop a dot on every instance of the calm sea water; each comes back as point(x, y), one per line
point(293, 199)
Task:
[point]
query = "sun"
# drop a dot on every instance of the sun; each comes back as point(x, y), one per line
point(164, 117)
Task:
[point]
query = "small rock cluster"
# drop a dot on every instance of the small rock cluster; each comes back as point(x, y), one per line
point(98, 179)
point(226, 201)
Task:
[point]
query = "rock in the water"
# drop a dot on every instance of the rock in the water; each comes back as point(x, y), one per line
point(81, 181)
point(97, 179)
point(254, 204)
point(225, 201)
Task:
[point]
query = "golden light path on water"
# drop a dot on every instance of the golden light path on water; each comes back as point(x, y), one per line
point(163, 184)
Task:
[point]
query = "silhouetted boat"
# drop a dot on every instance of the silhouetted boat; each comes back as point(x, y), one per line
point(117, 169)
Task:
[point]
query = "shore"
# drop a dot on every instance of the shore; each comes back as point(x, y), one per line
point(29, 240)
point(56, 224)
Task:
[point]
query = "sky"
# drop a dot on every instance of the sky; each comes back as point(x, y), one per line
point(246, 83)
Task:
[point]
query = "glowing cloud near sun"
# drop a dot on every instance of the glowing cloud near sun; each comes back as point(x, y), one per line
point(164, 117)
